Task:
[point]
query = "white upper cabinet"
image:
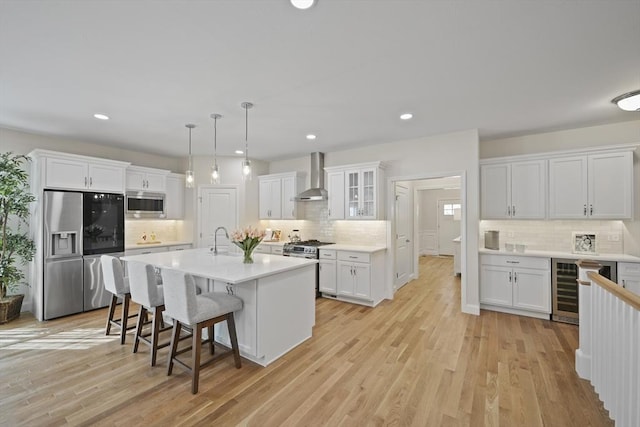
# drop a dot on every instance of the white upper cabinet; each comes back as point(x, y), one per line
point(276, 195)
point(72, 172)
point(356, 191)
point(598, 186)
point(174, 196)
point(270, 198)
point(146, 179)
point(514, 190)
point(336, 198)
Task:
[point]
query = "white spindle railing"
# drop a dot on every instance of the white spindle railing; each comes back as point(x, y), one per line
point(609, 353)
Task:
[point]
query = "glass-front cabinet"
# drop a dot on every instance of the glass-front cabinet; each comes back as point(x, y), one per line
point(361, 194)
point(361, 189)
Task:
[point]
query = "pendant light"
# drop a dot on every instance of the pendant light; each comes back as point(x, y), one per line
point(215, 172)
point(246, 163)
point(190, 180)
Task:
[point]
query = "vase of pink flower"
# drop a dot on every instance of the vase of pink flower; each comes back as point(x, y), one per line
point(247, 239)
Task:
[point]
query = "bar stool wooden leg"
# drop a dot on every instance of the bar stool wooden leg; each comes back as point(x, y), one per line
point(125, 317)
point(231, 325)
point(112, 311)
point(155, 325)
point(195, 351)
point(211, 341)
point(142, 315)
point(175, 338)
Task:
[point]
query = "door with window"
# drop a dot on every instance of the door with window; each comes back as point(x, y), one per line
point(448, 225)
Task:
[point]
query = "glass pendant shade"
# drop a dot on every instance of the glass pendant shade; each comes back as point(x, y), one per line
point(246, 170)
point(190, 180)
point(215, 174)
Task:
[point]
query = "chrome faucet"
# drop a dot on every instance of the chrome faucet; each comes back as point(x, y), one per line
point(215, 238)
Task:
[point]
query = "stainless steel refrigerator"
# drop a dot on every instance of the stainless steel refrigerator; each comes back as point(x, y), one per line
point(78, 229)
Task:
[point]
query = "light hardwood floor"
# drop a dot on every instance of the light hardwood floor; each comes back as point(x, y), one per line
point(416, 360)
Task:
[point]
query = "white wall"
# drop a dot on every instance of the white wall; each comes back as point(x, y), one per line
point(23, 143)
point(623, 133)
point(428, 157)
point(593, 136)
point(230, 174)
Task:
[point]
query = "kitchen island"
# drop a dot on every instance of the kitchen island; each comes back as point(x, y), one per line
point(278, 294)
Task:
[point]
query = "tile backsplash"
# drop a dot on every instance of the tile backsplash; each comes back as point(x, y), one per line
point(165, 230)
point(316, 225)
point(557, 235)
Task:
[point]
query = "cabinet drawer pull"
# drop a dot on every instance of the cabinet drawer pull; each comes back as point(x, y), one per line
point(590, 209)
point(515, 277)
point(513, 262)
point(353, 257)
point(624, 283)
point(584, 210)
point(509, 277)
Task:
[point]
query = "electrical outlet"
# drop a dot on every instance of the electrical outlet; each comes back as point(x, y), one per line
point(615, 237)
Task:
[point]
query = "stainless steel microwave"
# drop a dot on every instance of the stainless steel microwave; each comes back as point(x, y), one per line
point(142, 204)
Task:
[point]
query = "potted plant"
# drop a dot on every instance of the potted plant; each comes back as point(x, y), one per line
point(16, 248)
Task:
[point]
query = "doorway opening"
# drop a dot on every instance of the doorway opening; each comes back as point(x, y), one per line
point(427, 217)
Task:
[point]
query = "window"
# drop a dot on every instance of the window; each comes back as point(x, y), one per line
point(450, 208)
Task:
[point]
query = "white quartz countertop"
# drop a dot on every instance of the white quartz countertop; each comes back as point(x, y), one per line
point(163, 243)
point(354, 248)
point(568, 255)
point(225, 268)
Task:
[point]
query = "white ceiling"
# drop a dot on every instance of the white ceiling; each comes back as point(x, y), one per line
point(343, 70)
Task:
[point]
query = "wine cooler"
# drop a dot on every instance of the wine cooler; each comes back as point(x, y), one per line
point(564, 276)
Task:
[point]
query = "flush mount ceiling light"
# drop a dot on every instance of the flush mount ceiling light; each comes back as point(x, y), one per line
point(101, 116)
point(190, 180)
point(406, 116)
point(215, 173)
point(629, 101)
point(246, 163)
point(239, 152)
point(303, 4)
point(311, 137)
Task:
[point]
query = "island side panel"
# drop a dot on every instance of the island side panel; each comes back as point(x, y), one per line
point(286, 311)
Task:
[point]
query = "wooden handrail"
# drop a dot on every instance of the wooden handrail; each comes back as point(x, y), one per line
point(625, 295)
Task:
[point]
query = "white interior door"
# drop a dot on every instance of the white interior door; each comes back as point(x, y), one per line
point(403, 240)
point(217, 207)
point(448, 225)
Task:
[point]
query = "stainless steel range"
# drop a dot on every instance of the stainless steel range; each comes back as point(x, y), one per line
point(306, 249)
point(309, 249)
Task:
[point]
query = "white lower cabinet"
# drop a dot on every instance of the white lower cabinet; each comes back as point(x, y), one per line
point(328, 272)
point(352, 276)
point(518, 285)
point(354, 279)
point(629, 276)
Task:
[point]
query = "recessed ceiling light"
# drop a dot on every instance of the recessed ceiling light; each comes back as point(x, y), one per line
point(239, 152)
point(311, 137)
point(101, 116)
point(406, 116)
point(303, 4)
point(629, 101)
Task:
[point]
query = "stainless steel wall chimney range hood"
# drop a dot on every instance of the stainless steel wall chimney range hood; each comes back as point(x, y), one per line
point(317, 191)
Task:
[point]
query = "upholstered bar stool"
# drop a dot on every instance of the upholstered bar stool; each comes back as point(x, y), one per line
point(146, 292)
point(197, 312)
point(116, 283)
